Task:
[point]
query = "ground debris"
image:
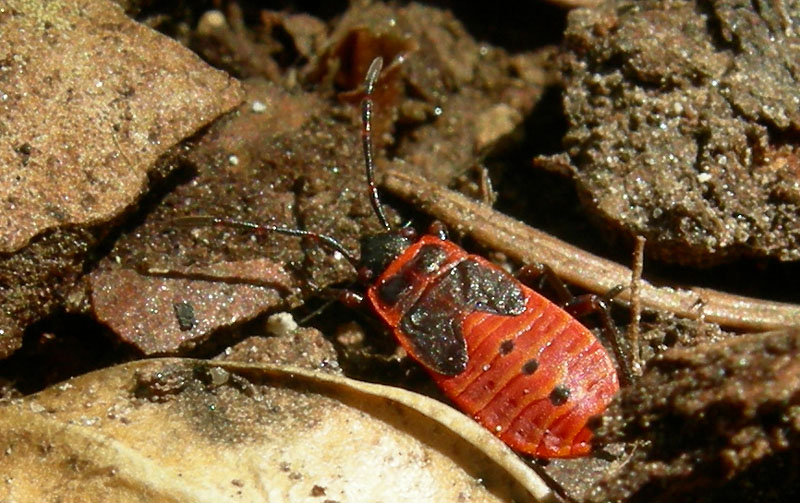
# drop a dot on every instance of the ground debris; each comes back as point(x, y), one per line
point(713, 422)
point(291, 156)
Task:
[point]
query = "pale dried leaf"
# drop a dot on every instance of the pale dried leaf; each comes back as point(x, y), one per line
point(192, 431)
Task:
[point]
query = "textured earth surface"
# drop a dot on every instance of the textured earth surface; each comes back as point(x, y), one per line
point(683, 119)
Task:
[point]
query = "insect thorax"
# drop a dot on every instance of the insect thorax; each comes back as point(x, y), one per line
point(380, 250)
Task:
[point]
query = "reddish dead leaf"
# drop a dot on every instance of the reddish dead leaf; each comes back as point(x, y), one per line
point(167, 315)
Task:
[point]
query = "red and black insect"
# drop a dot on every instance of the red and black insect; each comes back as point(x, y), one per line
point(516, 362)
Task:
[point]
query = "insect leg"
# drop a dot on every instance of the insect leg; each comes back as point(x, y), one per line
point(600, 304)
point(349, 298)
point(538, 276)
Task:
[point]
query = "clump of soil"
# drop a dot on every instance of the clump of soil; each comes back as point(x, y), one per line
point(710, 423)
point(683, 121)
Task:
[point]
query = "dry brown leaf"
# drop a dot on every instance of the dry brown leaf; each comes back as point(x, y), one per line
point(90, 101)
point(191, 431)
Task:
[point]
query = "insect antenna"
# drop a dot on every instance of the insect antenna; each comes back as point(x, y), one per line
point(330, 242)
point(366, 139)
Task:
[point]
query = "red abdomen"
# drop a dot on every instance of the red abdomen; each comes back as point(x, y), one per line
point(534, 379)
point(520, 365)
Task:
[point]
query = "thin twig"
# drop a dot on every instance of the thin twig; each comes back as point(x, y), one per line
point(636, 302)
point(527, 245)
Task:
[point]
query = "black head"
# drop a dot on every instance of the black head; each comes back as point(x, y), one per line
point(380, 250)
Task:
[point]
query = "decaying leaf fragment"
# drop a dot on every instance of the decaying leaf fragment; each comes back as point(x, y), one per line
point(166, 315)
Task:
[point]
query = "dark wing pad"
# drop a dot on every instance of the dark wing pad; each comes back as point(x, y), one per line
point(433, 324)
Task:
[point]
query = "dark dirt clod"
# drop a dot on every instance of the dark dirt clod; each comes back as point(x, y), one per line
point(184, 314)
point(683, 121)
point(714, 422)
point(160, 386)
